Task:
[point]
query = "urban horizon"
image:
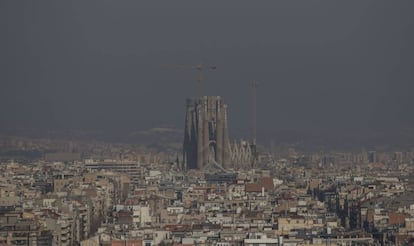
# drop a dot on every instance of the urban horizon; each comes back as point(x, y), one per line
point(235, 123)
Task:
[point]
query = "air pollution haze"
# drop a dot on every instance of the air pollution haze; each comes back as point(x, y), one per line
point(332, 67)
point(195, 123)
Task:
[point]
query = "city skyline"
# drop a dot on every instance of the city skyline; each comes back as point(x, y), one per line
point(217, 123)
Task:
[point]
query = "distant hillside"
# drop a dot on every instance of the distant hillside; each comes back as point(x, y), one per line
point(158, 138)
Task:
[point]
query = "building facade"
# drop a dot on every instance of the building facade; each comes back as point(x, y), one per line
point(206, 137)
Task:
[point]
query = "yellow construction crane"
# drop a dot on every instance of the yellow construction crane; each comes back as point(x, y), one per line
point(200, 67)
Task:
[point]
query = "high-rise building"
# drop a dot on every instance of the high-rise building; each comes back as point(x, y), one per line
point(398, 157)
point(372, 157)
point(206, 137)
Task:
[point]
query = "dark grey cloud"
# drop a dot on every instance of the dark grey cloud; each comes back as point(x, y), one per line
point(99, 64)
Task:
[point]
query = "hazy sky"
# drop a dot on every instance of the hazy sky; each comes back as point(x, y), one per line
point(99, 64)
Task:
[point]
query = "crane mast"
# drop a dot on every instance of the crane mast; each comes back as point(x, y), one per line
point(200, 68)
point(254, 130)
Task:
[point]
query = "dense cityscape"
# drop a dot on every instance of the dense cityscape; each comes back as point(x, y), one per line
point(99, 193)
point(206, 123)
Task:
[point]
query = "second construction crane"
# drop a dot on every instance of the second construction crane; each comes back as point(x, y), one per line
point(254, 125)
